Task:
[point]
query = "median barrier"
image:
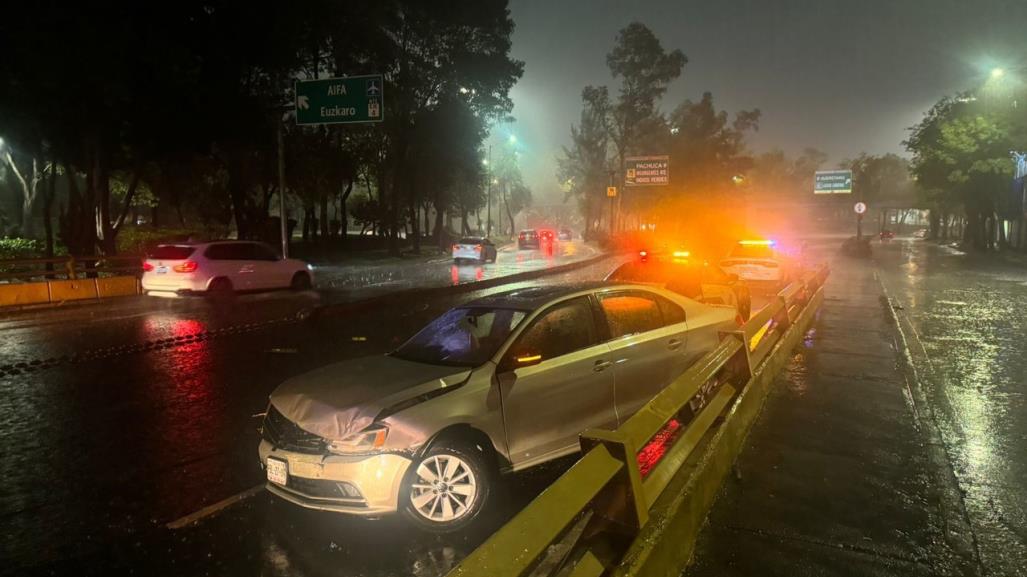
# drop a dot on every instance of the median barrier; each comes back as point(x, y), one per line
point(635, 501)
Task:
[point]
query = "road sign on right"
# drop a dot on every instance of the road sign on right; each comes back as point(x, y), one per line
point(832, 182)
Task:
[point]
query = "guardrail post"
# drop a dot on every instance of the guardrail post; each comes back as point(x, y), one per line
point(623, 503)
point(70, 266)
point(783, 319)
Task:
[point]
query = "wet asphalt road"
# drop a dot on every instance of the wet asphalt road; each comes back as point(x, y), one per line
point(968, 319)
point(103, 451)
point(100, 454)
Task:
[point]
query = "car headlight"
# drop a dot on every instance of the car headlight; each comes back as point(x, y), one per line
point(370, 440)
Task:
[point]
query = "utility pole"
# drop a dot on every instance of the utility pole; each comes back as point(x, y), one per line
point(283, 225)
point(488, 202)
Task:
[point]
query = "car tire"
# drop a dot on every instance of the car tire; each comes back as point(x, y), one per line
point(450, 503)
point(744, 298)
point(220, 288)
point(300, 282)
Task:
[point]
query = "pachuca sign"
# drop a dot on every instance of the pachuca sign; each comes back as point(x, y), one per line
point(343, 100)
point(647, 171)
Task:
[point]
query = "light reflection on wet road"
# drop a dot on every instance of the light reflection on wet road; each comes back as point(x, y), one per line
point(100, 454)
point(970, 315)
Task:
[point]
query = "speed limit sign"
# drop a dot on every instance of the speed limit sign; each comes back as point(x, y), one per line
point(860, 207)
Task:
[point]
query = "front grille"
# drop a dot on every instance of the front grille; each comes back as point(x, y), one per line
point(284, 434)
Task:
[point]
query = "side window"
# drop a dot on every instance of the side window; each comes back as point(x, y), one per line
point(263, 252)
point(218, 252)
point(631, 313)
point(672, 313)
point(563, 329)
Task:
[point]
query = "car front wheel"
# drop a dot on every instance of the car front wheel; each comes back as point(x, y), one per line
point(300, 282)
point(447, 488)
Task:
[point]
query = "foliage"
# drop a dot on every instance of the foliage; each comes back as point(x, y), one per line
point(17, 248)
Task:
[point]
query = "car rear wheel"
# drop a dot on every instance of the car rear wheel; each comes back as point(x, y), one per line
point(220, 288)
point(744, 303)
point(447, 488)
point(300, 282)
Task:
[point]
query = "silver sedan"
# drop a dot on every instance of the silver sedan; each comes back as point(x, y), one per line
point(500, 384)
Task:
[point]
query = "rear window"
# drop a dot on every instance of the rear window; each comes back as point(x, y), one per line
point(752, 251)
point(470, 240)
point(172, 252)
point(631, 313)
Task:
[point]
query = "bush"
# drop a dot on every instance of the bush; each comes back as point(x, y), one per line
point(11, 248)
point(139, 240)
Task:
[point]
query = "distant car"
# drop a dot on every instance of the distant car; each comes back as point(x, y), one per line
point(921, 233)
point(546, 235)
point(500, 384)
point(474, 248)
point(565, 234)
point(886, 235)
point(222, 267)
point(688, 277)
point(528, 238)
point(758, 261)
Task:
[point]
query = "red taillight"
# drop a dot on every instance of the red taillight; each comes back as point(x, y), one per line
point(456, 247)
point(477, 247)
point(147, 267)
point(187, 266)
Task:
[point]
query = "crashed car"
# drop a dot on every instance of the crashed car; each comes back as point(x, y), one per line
point(500, 384)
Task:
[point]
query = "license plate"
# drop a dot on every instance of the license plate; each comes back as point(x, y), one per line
point(277, 471)
point(162, 270)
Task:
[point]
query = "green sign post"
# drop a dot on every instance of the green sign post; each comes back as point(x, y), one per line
point(832, 182)
point(345, 100)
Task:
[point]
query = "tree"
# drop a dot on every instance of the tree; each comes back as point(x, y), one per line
point(584, 169)
point(645, 71)
point(708, 148)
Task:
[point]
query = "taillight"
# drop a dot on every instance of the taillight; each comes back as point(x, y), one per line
point(147, 267)
point(187, 266)
point(456, 246)
point(477, 247)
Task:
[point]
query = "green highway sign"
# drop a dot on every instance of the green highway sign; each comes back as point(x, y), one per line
point(344, 100)
point(647, 171)
point(832, 182)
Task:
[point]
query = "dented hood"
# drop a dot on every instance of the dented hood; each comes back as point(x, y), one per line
point(343, 398)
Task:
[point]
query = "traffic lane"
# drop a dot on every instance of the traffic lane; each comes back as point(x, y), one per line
point(353, 282)
point(43, 334)
point(55, 332)
point(969, 319)
point(268, 536)
point(99, 451)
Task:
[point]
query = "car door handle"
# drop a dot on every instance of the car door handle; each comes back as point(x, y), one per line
point(673, 344)
point(601, 365)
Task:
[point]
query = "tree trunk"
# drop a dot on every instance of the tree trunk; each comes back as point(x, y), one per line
point(416, 224)
point(325, 224)
point(48, 195)
point(440, 239)
point(237, 190)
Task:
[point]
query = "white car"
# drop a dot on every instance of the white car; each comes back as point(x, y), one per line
point(757, 261)
point(221, 267)
point(474, 248)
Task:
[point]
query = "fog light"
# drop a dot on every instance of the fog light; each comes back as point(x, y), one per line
point(348, 490)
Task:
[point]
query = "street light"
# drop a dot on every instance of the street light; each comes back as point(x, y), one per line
point(513, 139)
point(997, 72)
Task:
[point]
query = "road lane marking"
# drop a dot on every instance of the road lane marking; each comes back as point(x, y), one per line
point(214, 508)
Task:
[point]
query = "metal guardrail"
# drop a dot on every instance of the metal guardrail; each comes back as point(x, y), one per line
point(67, 267)
point(607, 496)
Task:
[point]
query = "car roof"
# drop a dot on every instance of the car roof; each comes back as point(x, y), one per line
point(206, 242)
point(533, 297)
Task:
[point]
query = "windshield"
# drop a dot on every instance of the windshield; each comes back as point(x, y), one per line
point(466, 336)
point(752, 251)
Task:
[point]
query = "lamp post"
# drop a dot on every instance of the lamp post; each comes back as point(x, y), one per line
point(488, 197)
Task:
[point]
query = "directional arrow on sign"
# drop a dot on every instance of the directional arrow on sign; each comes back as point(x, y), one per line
point(302, 102)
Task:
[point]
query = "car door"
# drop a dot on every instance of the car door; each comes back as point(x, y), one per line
point(556, 380)
point(226, 260)
point(270, 271)
point(648, 350)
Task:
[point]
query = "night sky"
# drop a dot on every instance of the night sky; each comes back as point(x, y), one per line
point(841, 76)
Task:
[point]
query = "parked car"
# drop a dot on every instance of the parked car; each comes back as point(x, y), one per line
point(528, 238)
point(688, 277)
point(500, 384)
point(886, 235)
point(565, 234)
point(758, 261)
point(221, 267)
point(474, 248)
